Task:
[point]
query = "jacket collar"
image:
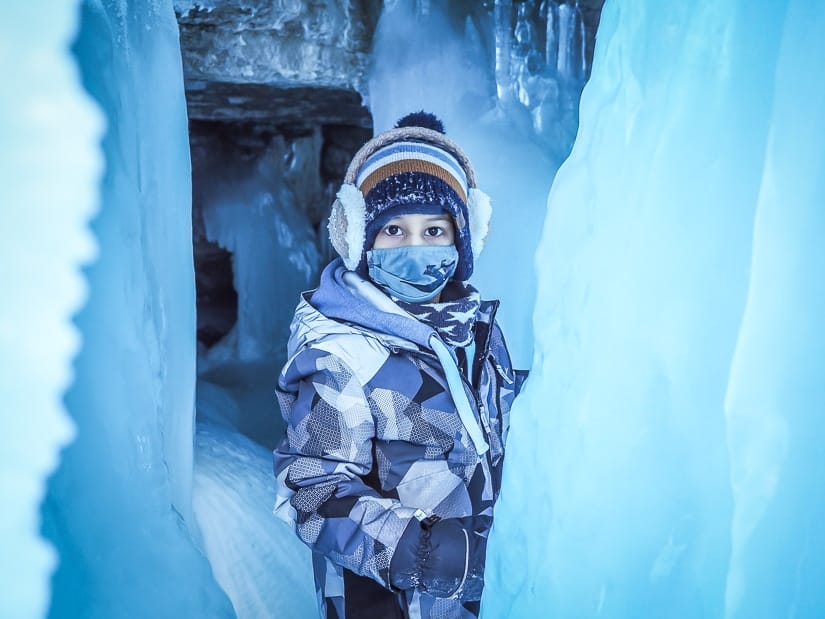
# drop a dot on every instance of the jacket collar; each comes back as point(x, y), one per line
point(345, 297)
point(346, 301)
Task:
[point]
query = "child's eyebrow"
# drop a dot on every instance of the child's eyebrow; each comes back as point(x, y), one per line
point(443, 217)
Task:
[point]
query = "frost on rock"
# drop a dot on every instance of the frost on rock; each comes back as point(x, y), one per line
point(246, 59)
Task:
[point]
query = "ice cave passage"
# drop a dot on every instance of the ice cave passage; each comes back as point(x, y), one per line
point(657, 247)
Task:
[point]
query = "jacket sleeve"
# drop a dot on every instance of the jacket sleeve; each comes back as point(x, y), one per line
point(498, 347)
point(321, 465)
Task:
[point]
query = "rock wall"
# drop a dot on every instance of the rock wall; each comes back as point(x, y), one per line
point(278, 62)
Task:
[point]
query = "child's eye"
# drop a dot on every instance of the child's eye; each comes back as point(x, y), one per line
point(434, 231)
point(392, 230)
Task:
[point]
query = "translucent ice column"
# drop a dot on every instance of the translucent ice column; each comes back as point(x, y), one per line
point(119, 507)
point(665, 459)
point(49, 168)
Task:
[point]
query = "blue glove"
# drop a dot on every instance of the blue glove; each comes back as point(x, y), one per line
point(444, 558)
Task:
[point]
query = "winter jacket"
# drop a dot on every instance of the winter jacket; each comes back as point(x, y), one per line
point(375, 442)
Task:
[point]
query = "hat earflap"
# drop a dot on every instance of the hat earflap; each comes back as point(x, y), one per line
point(347, 225)
point(479, 210)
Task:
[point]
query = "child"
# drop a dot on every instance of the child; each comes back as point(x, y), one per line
point(398, 388)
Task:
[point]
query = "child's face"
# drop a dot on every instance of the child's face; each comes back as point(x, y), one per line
point(416, 229)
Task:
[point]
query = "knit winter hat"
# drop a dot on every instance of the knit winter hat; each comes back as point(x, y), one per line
point(413, 168)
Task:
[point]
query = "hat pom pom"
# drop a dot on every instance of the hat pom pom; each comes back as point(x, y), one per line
point(421, 119)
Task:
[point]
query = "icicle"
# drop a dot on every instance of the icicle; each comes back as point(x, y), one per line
point(582, 44)
point(551, 48)
point(524, 54)
point(571, 60)
point(525, 31)
point(577, 56)
point(502, 16)
point(563, 58)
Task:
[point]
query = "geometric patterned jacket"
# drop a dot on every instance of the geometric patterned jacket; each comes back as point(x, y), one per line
point(373, 435)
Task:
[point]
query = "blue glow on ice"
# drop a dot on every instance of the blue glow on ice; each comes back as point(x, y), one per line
point(49, 170)
point(665, 460)
point(119, 507)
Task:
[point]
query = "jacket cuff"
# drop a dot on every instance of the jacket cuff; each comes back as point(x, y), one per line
point(405, 568)
point(446, 560)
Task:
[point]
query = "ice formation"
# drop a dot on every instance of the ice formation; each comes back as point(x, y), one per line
point(253, 210)
point(118, 508)
point(274, 249)
point(262, 565)
point(45, 162)
point(663, 459)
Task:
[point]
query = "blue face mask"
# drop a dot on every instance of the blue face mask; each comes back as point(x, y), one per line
point(416, 273)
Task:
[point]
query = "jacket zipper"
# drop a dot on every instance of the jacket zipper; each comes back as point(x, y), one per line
point(481, 410)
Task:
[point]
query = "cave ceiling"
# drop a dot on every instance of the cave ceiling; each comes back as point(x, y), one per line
point(285, 62)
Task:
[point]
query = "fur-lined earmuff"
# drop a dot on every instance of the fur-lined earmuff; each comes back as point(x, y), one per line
point(347, 224)
point(480, 210)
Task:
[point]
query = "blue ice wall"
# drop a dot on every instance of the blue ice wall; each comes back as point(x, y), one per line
point(45, 162)
point(665, 459)
point(118, 509)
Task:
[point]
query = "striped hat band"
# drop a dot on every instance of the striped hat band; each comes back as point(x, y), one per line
point(401, 157)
